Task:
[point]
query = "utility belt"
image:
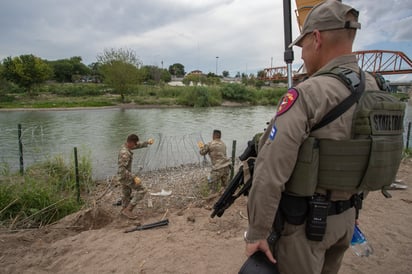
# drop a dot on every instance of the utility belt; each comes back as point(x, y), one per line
point(314, 210)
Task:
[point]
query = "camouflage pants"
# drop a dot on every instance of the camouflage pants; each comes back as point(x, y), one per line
point(219, 178)
point(127, 197)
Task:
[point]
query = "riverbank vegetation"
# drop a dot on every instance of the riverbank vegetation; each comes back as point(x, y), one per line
point(66, 95)
point(119, 77)
point(44, 194)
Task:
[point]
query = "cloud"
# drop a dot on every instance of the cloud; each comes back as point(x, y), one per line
point(247, 36)
point(384, 21)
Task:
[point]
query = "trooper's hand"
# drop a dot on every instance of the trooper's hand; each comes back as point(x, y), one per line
point(261, 245)
point(200, 144)
point(150, 141)
point(137, 181)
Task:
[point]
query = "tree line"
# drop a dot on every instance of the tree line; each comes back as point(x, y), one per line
point(119, 69)
point(115, 67)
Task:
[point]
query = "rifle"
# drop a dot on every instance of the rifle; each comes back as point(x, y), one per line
point(148, 226)
point(237, 185)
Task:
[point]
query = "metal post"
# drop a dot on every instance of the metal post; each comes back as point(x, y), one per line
point(288, 55)
point(20, 151)
point(232, 169)
point(76, 168)
point(408, 135)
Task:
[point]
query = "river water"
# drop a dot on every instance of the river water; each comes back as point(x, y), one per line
point(99, 133)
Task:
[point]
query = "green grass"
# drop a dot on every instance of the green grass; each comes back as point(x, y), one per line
point(44, 194)
point(407, 153)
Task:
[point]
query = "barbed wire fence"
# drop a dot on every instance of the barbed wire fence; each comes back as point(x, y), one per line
point(169, 152)
point(38, 146)
point(32, 141)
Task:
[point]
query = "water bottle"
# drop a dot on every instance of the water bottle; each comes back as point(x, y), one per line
point(359, 244)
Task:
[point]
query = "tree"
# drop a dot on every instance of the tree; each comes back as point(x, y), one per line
point(123, 55)
point(225, 73)
point(212, 79)
point(65, 70)
point(153, 74)
point(26, 70)
point(120, 68)
point(177, 70)
point(95, 71)
point(165, 76)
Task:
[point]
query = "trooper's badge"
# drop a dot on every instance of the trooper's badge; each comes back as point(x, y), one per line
point(287, 101)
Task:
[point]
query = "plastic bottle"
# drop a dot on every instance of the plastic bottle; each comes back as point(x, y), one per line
point(359, 244)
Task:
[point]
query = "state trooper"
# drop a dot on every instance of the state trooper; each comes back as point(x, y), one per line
point(326, 40)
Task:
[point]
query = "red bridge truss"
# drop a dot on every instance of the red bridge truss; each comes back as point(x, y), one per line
point(384, 62)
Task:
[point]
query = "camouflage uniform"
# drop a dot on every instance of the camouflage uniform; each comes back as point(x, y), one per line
point(126, 176)
point(220, 163)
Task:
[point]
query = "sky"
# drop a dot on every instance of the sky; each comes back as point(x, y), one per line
point(209, 35)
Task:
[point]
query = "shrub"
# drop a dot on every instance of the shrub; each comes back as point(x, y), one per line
point(75, 90)
point(236, 92)
point(45, 194)
point(200, 97)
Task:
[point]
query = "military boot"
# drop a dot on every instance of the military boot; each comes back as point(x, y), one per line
point(125, 202)
point(128, 212)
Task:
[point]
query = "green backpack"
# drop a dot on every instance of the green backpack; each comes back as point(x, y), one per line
point(369, 160)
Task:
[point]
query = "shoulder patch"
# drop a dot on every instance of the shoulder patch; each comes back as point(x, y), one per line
point(287, 101)
point(273, 133)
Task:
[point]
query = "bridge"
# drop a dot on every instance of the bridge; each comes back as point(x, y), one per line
point(384, 62)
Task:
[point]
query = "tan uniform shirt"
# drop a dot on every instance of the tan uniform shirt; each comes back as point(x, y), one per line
point(279, 145)
point(217, 153)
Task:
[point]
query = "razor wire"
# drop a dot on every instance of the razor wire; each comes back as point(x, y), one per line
point(167, 151)
point(32, 139)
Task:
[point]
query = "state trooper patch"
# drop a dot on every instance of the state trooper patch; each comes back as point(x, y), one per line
point(287, 101)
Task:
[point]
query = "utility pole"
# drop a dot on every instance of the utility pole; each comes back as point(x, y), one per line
point(288, 55)
point(217, 58)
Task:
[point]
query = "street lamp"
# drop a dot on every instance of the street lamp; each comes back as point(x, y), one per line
point(217, 58)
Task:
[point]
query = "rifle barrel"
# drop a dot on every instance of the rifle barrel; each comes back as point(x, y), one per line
point(148, 226)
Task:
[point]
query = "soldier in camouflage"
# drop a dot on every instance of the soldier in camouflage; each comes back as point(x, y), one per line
point(128, 180)
point(216, 149)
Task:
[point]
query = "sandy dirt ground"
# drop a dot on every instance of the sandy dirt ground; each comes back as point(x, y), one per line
point(93, 239)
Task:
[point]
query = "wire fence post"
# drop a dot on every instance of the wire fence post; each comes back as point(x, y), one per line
point(76, 168)
point(232, 169)
point(408, 135)
point(20, 151)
